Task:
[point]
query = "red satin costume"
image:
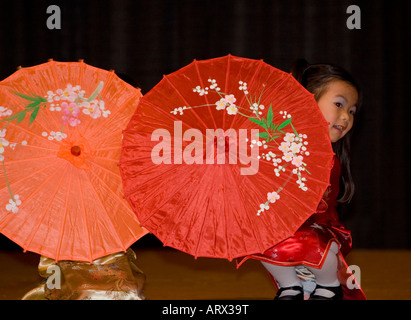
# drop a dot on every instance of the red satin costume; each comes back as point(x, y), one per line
point(311, 242)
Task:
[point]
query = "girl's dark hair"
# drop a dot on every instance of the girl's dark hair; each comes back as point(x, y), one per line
point(315, 78)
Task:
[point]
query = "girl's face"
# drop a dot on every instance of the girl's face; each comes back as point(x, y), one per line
point(338, 105)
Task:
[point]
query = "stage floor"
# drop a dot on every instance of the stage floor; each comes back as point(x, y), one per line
point(173, 275)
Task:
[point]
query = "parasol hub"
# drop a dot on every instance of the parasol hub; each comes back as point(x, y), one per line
point(75, 151)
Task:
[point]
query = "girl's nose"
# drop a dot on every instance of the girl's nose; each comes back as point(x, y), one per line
point(345, 115)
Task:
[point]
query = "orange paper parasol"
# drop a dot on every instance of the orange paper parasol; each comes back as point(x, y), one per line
point(61, 193)
point(226, 157)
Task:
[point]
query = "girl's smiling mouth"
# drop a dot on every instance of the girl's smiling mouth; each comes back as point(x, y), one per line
point(340, 128)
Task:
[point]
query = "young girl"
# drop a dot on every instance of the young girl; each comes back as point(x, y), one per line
point(317, 248)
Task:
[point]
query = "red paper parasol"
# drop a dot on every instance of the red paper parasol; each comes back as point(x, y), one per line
point(225, 157)
point(60, 187)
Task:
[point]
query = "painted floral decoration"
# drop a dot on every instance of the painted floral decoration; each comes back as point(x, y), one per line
point(283, 149)
point(72, 103)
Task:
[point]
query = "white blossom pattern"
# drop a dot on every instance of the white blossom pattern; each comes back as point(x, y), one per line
point(291, 151)
point(14, 201)
point(70, 101)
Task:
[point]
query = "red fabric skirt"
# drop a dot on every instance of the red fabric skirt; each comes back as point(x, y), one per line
point(310, 245)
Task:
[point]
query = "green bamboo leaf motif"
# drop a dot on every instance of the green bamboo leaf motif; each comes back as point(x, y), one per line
point(264, 135)
point(33, 107)
point(275, 137)
point(39, 97)
point(260, 123)
point(20, 116)
point(295, 131)
point(34, 115)
point(285, 123)
point(10, 118)
point(270, 115)
point(36, 98)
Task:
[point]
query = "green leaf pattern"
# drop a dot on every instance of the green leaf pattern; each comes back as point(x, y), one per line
point(70, 101)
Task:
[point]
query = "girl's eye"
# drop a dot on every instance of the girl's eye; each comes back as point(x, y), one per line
point(338, 104)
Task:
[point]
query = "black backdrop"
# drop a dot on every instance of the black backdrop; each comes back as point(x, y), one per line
point(149, 38)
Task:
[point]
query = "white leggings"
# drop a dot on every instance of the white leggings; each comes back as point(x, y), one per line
point(326, 276)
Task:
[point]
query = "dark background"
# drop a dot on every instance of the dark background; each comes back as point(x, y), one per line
point(149, 38)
